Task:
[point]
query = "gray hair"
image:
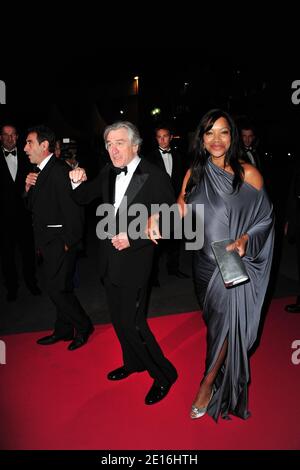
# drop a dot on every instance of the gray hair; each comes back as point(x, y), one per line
point(133, 132)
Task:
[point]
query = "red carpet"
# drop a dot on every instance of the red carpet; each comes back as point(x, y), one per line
point(52, 398)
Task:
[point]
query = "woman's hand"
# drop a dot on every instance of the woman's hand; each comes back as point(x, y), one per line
point(152, 230)
point(239, 245)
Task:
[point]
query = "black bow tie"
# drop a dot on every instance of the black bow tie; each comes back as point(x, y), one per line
point(10, 152)
point(248, 149)
point(118, 170)
point(165, 151)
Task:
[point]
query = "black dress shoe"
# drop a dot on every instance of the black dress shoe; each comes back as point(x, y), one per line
point(179, 274)
point(52, 339)
point(121, 373)
point(157, 392)
point(80, 339)
point(292, 308)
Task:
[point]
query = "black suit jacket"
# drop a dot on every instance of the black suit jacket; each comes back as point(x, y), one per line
point(51, 203)
point(293, 206)
point(155, 158)
point(149, 185)
point(12, 205)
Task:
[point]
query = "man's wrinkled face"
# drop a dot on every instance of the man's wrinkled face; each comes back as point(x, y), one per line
point(120, 148)
point(34, 149)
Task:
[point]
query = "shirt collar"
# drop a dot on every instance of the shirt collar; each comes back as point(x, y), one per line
point(131, 167)
point(12, 150)
point(44, 162)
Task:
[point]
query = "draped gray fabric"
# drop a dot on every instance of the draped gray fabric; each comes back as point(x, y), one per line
point(232, 313)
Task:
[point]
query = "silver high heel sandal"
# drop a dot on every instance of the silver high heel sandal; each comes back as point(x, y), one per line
point(199, 412)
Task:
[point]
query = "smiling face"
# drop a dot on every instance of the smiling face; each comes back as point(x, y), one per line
point(120, 148)
point(217, 140)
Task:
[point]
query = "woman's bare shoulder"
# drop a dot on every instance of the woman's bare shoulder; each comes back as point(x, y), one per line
point(252, 176)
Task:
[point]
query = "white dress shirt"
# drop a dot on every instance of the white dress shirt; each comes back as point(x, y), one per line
point(122, 181)
point(12, 163)
point(168, 162)
point(44, 162)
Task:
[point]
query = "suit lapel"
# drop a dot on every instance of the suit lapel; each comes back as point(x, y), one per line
point(108, 185)
point(137, 181)
point(43, 176)
point(160, 160)
point(23, 169)
point(6, 169)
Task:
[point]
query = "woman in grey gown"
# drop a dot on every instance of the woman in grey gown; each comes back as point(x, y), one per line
point(235, 206)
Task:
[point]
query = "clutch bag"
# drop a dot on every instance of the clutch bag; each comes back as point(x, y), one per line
point(230, 263)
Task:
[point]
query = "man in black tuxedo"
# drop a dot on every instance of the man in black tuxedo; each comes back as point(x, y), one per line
point(169, 160)
point(250, 143)
point(58, 226)
point(125, 260)
point(292, 228)
point(16, 227)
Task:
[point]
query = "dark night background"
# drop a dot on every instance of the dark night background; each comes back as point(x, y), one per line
point(258, 85)
point(77, 90)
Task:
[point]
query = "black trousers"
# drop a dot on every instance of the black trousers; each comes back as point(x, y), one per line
point(128, 307)
point(172, 250)
point(298, 265)
point(13, 237)
point(59, 268)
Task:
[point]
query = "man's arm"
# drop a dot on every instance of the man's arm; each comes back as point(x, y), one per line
point(84, 191)
point(73, 217)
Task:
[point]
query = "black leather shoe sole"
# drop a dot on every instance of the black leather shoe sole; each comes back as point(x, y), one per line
point(118, 374)
point(121, 373)
point(52, 339)
point(77, 343)
point(80, 339)
point(157, 393)
point(292, 308)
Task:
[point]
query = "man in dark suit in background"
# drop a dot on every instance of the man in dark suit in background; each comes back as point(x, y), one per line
point(16, 224)
point(169, 160)
point(126, 260)
point(292, 227)
point(250, 144)
point(58, 226)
